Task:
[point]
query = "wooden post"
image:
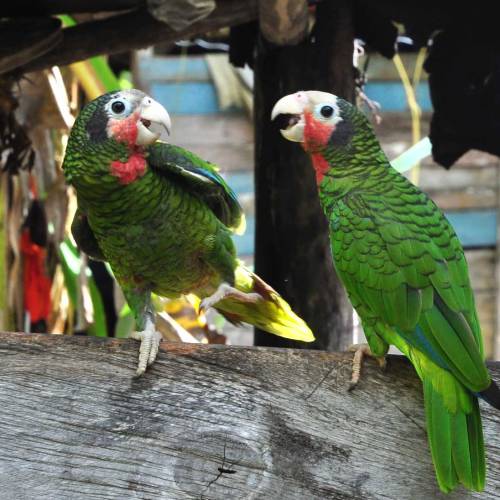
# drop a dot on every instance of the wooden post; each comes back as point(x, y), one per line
point(292, 250)
point(213, 422)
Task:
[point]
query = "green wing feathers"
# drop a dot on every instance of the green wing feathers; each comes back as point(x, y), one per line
point(84, 236)
point(407, 268)
point(201, 178)
point(272, 314)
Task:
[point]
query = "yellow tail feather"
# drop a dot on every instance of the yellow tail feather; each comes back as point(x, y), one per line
point(272, 313)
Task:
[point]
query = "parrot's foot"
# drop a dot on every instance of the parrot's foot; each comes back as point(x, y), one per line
point(150, 343)
point(360, 351)
point(227, 291)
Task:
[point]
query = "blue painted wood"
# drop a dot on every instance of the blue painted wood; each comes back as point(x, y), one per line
point(475, 228)
point(245, 242)
point(154, 69)
point(240, 182)
point(186, 98)
point(391, 95)
point(168, 74)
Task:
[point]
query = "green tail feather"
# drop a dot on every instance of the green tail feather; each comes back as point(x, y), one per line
point(272, 314)
point(456, 442)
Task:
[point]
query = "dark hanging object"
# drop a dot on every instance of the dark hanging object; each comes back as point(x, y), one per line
point(15, 146)
point(242, 40)
point(36, 223)
point(464, 81)
point(374, 27)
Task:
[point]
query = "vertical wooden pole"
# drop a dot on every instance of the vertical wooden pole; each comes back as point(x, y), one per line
point(292, 250)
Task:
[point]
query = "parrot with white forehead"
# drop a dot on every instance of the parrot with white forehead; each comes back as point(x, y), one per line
point(163, 219)
point(405, 273)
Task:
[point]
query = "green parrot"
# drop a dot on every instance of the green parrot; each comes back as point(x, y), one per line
point(405, 273)
point(163, 219)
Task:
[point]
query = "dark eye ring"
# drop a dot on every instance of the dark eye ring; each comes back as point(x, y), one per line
point(118, 107)
point(326, 111)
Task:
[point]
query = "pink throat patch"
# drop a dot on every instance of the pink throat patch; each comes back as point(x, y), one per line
point(320, 165)
point(125, 130)
point(316, 133)
point(316, 137)
point(130, 170)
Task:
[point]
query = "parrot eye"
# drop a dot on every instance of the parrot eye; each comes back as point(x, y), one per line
point(120, 108)
point(326, 111)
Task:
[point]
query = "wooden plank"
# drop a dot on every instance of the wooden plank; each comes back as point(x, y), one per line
point(212, 129)
point(467, 198)
point(382, 69)
point(433, 178)
point(392, 98)
point(213, 422)
point(486, 311)
point(186, 98)
point(496, 338)
point(482, 268)
point(171, 69)
point(475, 228)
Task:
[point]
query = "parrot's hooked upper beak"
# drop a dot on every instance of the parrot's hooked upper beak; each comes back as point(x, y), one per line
point(151, 113)
point(290, 112)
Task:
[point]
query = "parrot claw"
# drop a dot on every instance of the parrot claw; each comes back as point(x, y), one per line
point(227, 291)
point(150, 343)
point(360, 351)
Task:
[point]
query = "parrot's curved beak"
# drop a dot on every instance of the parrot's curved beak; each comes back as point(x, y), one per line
point(289, 112)
point(151, 113)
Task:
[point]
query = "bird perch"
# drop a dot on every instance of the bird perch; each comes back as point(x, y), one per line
point(213, 422)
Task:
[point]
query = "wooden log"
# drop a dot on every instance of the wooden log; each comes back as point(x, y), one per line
point(135, 30)
point(47, 7)
point(213, 422)
point(292, 247)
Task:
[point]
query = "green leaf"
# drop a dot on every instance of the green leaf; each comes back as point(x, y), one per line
point(71, 264)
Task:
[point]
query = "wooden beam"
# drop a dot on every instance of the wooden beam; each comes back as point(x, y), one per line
point(292, 246)
point(135, 30)
point(213, 422)
point(22, 40)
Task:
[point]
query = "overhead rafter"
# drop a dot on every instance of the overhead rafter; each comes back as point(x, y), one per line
point(22, 8)
point(134, 30)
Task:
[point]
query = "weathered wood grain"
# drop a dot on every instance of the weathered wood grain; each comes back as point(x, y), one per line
point(212, 422)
